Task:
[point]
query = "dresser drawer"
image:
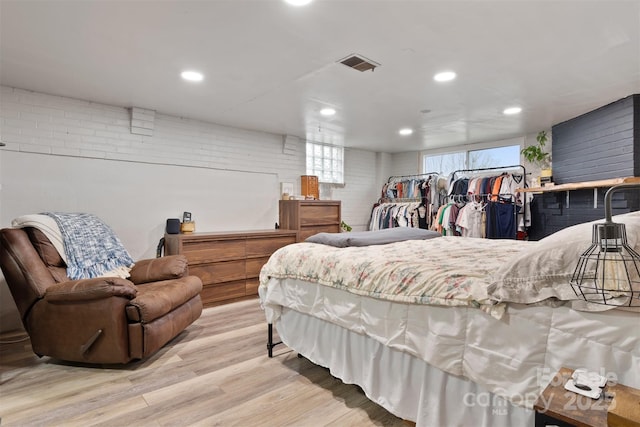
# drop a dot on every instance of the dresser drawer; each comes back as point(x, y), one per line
point(223, 291)
point(319, 214)
point(310, 231)
point(267, 246)
point(254, 265)
point(219, 272)
point(252, 286)
point(203, 252)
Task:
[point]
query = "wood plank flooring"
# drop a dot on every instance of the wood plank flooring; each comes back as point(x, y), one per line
point(216, 373)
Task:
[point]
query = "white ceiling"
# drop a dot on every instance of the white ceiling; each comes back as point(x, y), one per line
point(271, 67)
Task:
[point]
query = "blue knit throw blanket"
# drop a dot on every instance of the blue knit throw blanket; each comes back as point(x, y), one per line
point(91, 246)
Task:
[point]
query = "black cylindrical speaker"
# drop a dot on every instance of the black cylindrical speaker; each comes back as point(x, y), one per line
point(173, 226)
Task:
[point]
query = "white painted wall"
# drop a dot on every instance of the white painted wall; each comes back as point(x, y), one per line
point(361, 187)
point(136, 198)
point(408, 163)
point(72, 155)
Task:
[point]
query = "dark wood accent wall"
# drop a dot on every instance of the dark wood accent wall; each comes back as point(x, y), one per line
point(636, 134)
point(551, 212)
point(601, 144)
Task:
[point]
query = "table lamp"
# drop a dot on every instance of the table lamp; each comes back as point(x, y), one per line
point(608, 272)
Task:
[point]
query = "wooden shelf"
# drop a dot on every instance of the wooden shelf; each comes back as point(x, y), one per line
point(581, 185)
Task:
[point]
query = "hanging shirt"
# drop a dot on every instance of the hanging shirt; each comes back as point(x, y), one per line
point(501, 222)
point(470, 220)
point(495, 189)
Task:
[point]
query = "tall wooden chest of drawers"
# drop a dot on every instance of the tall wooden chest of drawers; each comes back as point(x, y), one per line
point(310, 216)
point(228, 263)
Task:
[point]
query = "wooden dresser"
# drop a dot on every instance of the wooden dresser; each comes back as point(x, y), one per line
point(309, 217)
point(228, 263)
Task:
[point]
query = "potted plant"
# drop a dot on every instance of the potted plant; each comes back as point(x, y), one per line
point(537, 155)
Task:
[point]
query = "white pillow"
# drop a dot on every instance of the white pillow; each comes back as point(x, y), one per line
point(545, 269)
point(47, 225)
point(582, 232)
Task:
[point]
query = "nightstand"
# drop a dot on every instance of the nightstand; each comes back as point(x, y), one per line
point(559, 407)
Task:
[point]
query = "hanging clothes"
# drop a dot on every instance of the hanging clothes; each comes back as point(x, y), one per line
point(389, 215)
point(501, 222)
point(401, 196)
point(489, 204)
point(470, 221)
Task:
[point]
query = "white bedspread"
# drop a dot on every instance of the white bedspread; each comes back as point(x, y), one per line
point(513, 357)
point(449, 271)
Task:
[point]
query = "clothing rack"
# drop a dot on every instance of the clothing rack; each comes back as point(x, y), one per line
point(484, 172)
point(399, 178)
point(399, 214)
point(497, 168)
point(510, 198)
point(414, 176)
point(401, 211)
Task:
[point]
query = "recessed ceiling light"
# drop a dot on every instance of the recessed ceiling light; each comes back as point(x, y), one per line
point(327, 111)
point(405, 131)
point(192, 76)
point(445, 76)
point(298, 2)
point(512, 110)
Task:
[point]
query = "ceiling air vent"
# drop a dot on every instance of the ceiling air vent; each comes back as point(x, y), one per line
point(359, 63)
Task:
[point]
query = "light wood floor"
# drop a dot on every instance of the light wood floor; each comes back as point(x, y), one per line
point(216, 373)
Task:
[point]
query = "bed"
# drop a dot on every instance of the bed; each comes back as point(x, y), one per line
point(450, 330)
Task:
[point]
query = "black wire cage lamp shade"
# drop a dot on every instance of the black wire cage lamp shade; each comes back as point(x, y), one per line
point(608, 272)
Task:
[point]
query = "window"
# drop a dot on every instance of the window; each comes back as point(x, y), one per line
point(326, 162)
point(444, 164)
point(494, 157)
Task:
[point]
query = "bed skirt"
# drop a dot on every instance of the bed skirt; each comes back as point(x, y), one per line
point(405, 385)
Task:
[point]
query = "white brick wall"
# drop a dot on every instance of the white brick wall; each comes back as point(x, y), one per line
point(39, 123)
point(361, 188)
point(405, 163)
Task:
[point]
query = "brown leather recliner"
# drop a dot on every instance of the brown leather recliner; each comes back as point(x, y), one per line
point(101, 320)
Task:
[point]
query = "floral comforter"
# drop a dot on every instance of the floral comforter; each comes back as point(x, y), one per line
point(449, 271)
